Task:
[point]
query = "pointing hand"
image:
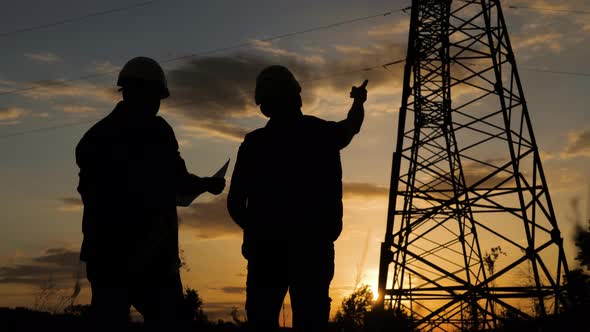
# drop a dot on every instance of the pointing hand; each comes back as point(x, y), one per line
point(359, 93)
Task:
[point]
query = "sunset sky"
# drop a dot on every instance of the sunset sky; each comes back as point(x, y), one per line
point(58, 74)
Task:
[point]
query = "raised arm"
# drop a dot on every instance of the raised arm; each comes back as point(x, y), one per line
point(354, 120)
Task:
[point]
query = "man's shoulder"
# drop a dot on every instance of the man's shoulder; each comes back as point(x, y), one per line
point(163, 125)
point(93, 138)
point(162, 122)
point(101, 127)
point(255, 134)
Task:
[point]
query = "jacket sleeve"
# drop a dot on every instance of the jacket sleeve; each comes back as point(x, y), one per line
point(237, 198)
point(86, 179)
point(185, 182)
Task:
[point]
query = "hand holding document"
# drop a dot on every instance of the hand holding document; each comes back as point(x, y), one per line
point(185, 200)
point(222, 170)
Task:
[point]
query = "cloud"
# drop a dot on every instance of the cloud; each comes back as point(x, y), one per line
point(210, 219)
point(578, 144)
point(105, 67)
point(11, 115)
point(78, 109)
point(214, 95)
point(70, 204)
point(398, 28)
point(473, 172)
point(549, 8)
point(53, 89)
point(363, 190)
point(233, 290)
point(215, 128)
point(59, 264)
point(216, 87)
point(550, 25)
point(267, 47)
point(534, 42)
point(43, 57)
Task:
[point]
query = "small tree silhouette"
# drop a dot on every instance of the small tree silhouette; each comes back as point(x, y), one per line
point(583, 243)
point(354, 309)
point(577, 282)
point(236, 317)
point(50, 298)
point(489, 260)
point(195, 306)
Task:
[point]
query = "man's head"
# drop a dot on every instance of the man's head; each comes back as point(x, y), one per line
point(143, 84)
point(277, 91)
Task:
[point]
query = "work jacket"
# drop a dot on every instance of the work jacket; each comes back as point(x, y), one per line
point(130, 173)
point(291, 175)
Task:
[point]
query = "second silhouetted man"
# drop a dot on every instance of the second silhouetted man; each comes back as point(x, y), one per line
point(286, 194)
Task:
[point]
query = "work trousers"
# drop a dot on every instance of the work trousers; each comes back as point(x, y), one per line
point(304, 271)
point(156, 294)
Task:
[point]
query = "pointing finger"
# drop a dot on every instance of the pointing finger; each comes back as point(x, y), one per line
point(364, 85)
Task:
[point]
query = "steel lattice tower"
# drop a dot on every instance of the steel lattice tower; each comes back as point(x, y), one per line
point(471, 233)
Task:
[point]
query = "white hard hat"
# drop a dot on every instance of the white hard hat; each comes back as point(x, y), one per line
point(143, 70)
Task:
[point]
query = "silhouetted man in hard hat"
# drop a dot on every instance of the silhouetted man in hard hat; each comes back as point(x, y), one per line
point(130, 173)
point(286, 194)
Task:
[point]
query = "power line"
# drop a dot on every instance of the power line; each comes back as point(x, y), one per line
point(365, 69)
point(571, 11)
point(213, 51)
point(68, 125)
point(555, 71)
point(44, 129)
point(542, 70)
point(289, 34)
point(384, 66)
point(78, 18)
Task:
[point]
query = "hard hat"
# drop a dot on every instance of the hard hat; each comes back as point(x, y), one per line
point(141, 70)
point(275, 82)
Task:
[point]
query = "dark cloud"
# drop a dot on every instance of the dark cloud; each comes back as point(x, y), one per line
point(210, 219)
point(578, 144)
point(61, 265)
point(215, 88)
point(71, 201)
point(473, 172)
point(216, 127)
point(233, 290)
point(60, 257)
point(344, 72)
point(70, 204)
point(363, 190)
point(216, 91)
point(53, 89)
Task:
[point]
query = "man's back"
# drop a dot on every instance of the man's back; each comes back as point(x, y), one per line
point(286, 194)
point(293, 177)
point(127, 184)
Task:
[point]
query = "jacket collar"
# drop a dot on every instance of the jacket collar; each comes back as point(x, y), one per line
point(285, 121)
